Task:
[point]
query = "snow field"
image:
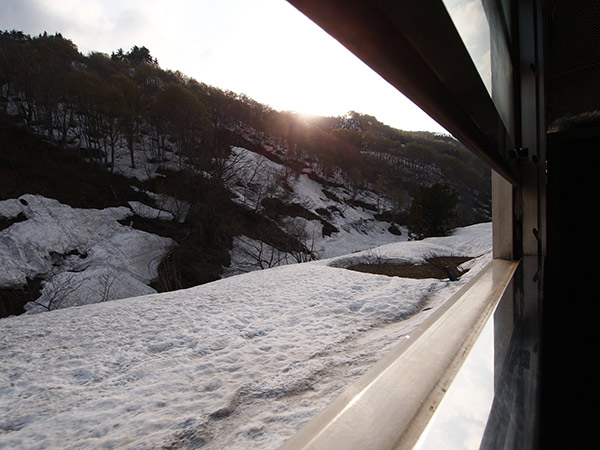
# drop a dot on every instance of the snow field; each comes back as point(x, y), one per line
point(242, 362)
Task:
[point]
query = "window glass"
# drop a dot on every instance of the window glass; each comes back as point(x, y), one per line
point(471, 23)
point(461, 419)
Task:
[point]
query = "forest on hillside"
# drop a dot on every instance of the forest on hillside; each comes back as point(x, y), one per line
point(67, 117)
point(127, 95)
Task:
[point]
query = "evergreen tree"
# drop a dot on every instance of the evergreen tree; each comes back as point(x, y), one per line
point(433, 212)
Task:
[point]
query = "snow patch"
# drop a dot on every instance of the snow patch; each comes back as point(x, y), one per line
point(148, 212)
point(70, 246)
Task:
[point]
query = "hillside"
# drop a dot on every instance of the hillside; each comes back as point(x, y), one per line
point(231, 185)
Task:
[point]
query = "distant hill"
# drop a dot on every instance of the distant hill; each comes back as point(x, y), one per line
point(235, 184)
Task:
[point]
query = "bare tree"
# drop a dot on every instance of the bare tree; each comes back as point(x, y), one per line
point(58, 290)
point(303, 236)
point(107, 280)
point(259, 254)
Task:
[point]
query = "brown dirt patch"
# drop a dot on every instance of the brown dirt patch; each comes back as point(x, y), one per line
point(440, 268)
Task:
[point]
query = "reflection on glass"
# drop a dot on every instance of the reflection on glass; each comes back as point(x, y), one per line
point(460, 420)
point(471, 23)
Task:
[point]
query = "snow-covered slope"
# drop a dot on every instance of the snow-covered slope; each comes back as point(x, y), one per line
point(242, 362)
point(318, 208)
point(84, 255)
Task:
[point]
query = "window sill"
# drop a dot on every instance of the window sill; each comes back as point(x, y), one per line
point(390, 406)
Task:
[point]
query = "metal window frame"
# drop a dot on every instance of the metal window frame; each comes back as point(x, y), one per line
point(437, 74)
point(414, 45)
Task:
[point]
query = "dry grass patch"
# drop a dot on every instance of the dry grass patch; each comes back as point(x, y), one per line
point(438, 267)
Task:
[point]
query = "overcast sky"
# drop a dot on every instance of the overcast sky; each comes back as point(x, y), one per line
point(265, 49)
